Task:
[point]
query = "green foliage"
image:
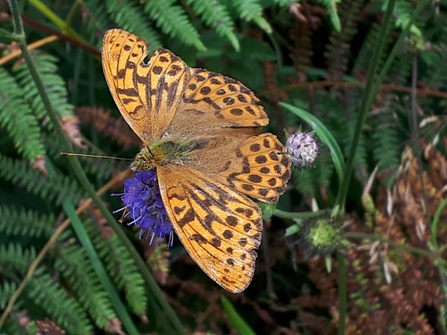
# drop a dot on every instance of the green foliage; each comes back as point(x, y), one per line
point(121, 267)
point(14, 257)
point(216, 16)
point(76, 269)
point(54, 300)
point(17, 118)
point(19, 221)
point(7, 289)
point(54, 190)
point(54, 86)
point(165, 14)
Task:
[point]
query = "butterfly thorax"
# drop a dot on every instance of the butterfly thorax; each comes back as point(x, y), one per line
point(164, 152)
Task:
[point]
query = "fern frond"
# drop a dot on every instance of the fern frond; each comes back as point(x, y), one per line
point(403, 11)
point(14, 257)
point(53, 299)
point(216, 16)
point(173, 21)
point(251, 10)
point(401, 70)
point(76, 268)
point(54, 87)
point(248, 9)
point(121, 267)
point(25, 223)
point(386, 142)
point(301, 53)
point(338, 48)
point(130, 16)
point(331, 7)
point(364, 58)
point(7, 289)
point(51, 189)
point(17, 118)
point(97, 16)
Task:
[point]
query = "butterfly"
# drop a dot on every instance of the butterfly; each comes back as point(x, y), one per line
point(201, 132)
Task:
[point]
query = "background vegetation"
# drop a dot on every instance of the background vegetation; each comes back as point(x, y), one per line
point(370, 74)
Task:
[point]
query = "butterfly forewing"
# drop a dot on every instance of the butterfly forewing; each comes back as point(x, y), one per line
point(147, 94)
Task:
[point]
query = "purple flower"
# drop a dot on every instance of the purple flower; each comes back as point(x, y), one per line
point(302, 149)
point(143, 203)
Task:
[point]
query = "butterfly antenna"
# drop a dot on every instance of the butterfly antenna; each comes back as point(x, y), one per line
point(95, 156)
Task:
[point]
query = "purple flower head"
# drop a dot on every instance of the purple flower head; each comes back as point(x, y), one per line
point(302, 149)
point(142, 200)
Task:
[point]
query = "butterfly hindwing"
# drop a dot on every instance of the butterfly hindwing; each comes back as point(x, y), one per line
point(220, 228)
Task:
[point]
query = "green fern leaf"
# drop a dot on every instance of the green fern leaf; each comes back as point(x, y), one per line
point(25, 223)
point(331, 7)
point(403, 11)
point(97, 16)
point(76, 268)
point(53, 299)
point(54, 87)
point(216, 16)
point(14, 257)
point(386, 142)
point(17, 118)
point(251, 10)
point(122, 269)
point(165, 14)
point(7, 289)
point(51, 189)
point(364, 58)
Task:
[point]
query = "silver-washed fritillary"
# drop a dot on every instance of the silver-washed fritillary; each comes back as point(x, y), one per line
point(201, 132)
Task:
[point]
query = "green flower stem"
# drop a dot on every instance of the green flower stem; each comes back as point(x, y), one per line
point(297, 216)
point(174, 325)
point(368, 97)
point(435, 224)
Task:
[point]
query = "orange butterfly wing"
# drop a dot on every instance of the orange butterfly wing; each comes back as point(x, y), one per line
point(220, 228)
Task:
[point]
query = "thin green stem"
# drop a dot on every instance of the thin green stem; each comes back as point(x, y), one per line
point(397, 47)
point(367, 99)
point(297, 216)
point(57, 21)
point(435, 224)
